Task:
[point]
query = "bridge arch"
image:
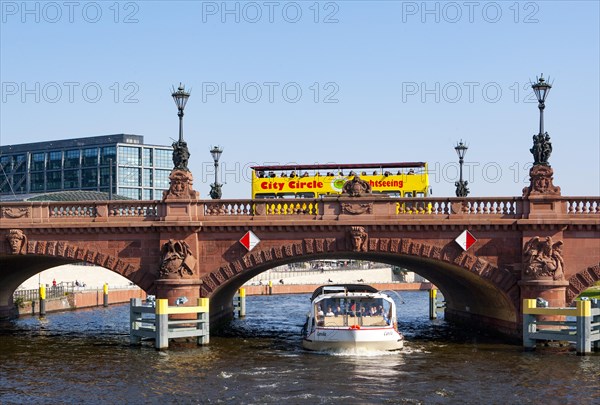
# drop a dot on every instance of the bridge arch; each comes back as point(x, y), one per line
point(582, 280)
point(37, 256)
point(472, 287)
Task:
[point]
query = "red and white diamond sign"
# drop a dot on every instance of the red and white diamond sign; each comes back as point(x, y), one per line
point(465, 240)
point(249, 240)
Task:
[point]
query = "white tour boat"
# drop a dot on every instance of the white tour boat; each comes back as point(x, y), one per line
point(351, 316)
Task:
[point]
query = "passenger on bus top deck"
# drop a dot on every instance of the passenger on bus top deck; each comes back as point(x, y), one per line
point(374, 172)
point(387, 173)
point(317, 174)
point(272, 174)
point(411, 171)
point(260, 174)
point(305, 174)
point(330, 174)
point(283, 174)
point(363, 174)
point(293, 173)
point(399, 172)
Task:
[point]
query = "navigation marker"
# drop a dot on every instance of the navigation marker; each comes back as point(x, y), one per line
point(249, 240)
point(465, 240)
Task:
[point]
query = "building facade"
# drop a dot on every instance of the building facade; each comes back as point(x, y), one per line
point(138, 171)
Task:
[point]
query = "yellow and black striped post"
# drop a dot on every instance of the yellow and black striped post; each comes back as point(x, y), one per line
point(270, 287)
point(42, 300)
point(432, 303)
point(242, 303)
point(105, 290)
point(162, 324)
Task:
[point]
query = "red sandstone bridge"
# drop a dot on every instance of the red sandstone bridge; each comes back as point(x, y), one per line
point(539, 245)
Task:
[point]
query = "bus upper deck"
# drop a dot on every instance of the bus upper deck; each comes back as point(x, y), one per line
point(403, 179)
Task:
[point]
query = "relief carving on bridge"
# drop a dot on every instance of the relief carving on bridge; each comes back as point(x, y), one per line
point(542, 259)
point(177, 260)
point(357, 209)
point(357, 239)
point(181, 186)
point(541, 182)
point(18, 241)
point(356, 187)
point(15, 212)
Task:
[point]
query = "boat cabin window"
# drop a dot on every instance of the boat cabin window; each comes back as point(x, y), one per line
point(347, 311)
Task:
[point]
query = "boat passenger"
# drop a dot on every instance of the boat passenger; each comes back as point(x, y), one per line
point(329, 312)
point(338, 311)
point(320, 311)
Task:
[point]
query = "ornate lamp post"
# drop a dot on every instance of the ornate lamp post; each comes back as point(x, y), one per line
point(542, 148)
point(215, 188)
point(461, 185)
point(181, 154)
point(541, 173)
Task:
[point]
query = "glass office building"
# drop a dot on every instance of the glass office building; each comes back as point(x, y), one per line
point(138, 171)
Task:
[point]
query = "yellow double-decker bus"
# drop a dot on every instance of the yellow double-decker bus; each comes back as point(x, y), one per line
point(408, 179)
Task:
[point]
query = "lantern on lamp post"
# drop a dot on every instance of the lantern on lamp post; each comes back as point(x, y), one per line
point(542, 147)
point(461, 185)
point(181, 154)
point(215, 188)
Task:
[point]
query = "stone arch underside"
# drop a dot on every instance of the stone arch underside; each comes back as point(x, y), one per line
point(41, 255)
point(468, 283)
point(582, 280)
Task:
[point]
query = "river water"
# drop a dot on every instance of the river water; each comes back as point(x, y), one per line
point(85, 357)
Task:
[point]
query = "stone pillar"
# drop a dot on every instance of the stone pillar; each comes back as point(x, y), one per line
point(541, 196)
point(554, 292)
point(172, 289)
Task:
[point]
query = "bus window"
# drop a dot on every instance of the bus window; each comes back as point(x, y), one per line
point(408, 194)
point(295, 195)
point(265, 195)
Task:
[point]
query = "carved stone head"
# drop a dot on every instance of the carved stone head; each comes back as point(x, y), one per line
point(358, 239)
point(17, 241)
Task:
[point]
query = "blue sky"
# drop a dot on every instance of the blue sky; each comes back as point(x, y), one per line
point(306, 81)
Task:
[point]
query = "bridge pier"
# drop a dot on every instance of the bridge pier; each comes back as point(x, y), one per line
point(172, 289)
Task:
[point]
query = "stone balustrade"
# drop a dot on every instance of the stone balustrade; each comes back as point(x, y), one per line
point(312, 209)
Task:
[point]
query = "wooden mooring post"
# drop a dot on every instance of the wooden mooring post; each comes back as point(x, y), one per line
point(157, 325)
point(584, 331)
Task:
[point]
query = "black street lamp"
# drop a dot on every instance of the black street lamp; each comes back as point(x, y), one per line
point(542, 147)
point(215, 188)
point(181, 154)
point(461, 185)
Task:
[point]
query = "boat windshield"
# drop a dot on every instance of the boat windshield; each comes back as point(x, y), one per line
point(347, 311)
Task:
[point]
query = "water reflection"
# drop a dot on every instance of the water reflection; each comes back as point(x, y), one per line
point(74, 356)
